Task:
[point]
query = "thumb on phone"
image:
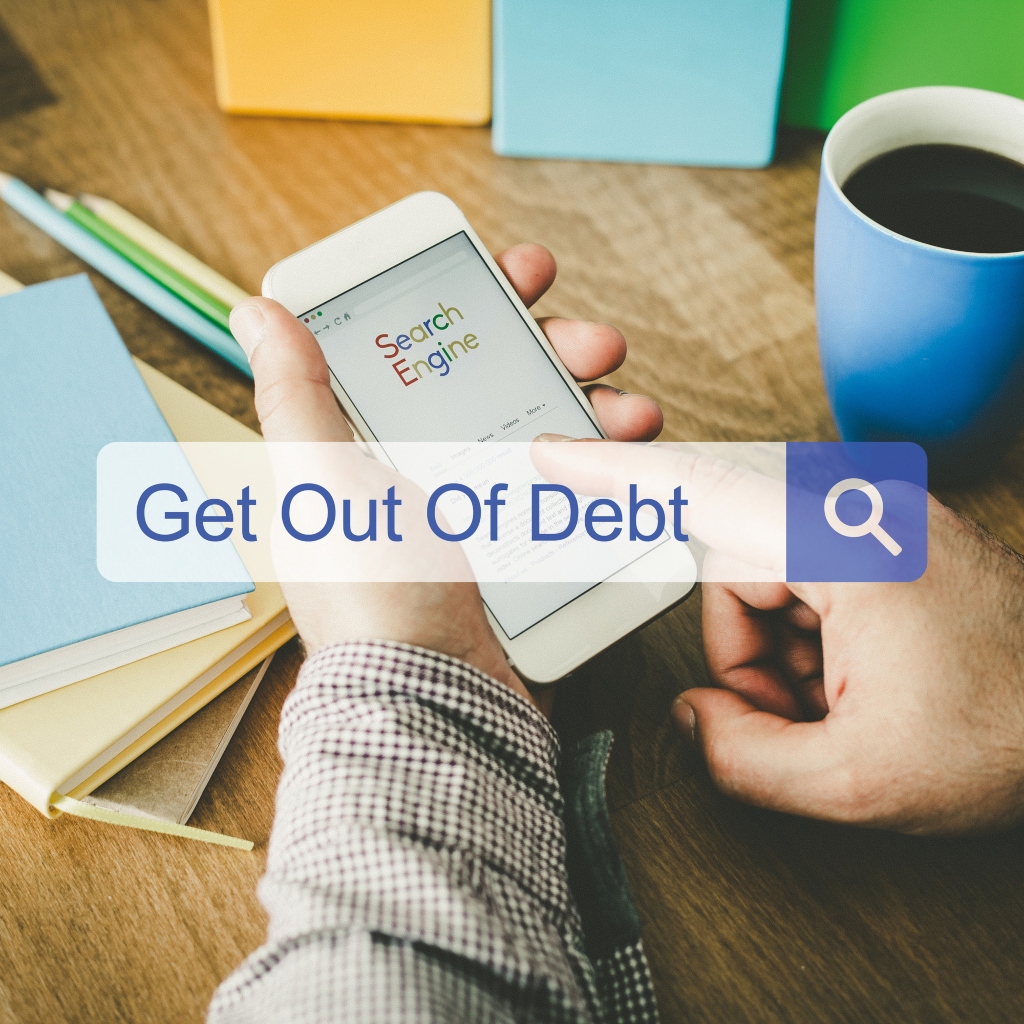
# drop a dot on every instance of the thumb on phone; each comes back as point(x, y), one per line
point(293, 384)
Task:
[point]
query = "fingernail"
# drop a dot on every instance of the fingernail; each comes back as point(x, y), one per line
point(248, 325)
point(553, 437)
point(686, 718)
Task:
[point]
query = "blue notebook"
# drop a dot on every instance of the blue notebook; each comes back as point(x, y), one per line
point(654, 81)
point(67, 387)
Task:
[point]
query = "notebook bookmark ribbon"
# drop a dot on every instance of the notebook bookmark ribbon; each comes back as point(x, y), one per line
point(83, 810)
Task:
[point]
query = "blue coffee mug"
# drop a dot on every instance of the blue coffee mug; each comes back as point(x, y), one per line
point(919, 343)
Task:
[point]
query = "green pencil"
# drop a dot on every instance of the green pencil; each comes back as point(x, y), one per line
point(186, 290)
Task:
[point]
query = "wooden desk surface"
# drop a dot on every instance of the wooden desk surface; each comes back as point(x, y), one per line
point(748, 916)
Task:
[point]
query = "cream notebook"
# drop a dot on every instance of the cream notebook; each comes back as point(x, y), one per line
point(70, 741)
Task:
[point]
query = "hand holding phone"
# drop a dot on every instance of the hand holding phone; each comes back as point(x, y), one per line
point(295, 402)
point(426, 339)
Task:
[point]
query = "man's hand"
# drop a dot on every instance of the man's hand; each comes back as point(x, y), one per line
point(898, 705)
point(295, 403)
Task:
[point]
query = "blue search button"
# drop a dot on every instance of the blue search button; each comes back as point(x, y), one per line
point(856, 511)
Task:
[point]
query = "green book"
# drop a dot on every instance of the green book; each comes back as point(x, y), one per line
point(842, 52)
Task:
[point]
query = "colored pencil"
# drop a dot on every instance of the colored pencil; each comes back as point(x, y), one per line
point(163, 248)
point(8, 284)
point(185, 289)
point(88, 247)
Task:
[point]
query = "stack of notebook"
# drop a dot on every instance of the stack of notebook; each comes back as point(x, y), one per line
point(94, 673)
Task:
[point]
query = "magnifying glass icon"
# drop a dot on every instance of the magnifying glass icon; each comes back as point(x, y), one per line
point(870, 525)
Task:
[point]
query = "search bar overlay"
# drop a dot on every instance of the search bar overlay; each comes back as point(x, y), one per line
point(509, 509)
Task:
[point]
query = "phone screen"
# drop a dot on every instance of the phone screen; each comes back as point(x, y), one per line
point(434, 350)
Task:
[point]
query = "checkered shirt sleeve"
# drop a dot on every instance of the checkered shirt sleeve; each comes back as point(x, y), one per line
point(417, 866)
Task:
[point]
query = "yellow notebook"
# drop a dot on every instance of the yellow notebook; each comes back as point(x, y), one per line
point(71, 740)
point(389, 60)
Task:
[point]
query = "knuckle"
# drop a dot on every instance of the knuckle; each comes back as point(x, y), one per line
point(725, 765)
point(269, 396)
point(279, 393)
point(855, 795)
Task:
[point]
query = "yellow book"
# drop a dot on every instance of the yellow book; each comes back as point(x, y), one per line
point(391, 60)
point(69, 741)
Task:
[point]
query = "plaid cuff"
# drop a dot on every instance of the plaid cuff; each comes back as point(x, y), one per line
point(420, 800)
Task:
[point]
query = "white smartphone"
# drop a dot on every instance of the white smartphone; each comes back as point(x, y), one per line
point(419, 262)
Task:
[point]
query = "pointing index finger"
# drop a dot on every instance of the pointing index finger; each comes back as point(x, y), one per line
point(733, 510)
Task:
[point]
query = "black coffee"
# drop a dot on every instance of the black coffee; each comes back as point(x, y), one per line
point(956, 197)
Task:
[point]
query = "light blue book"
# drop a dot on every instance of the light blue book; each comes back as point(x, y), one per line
point(654, 81)
point(68, 387)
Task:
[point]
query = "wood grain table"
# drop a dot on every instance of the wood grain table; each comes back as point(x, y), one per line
point(748, 916)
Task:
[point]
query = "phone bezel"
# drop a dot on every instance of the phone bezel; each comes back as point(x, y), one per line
point(576, 632)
